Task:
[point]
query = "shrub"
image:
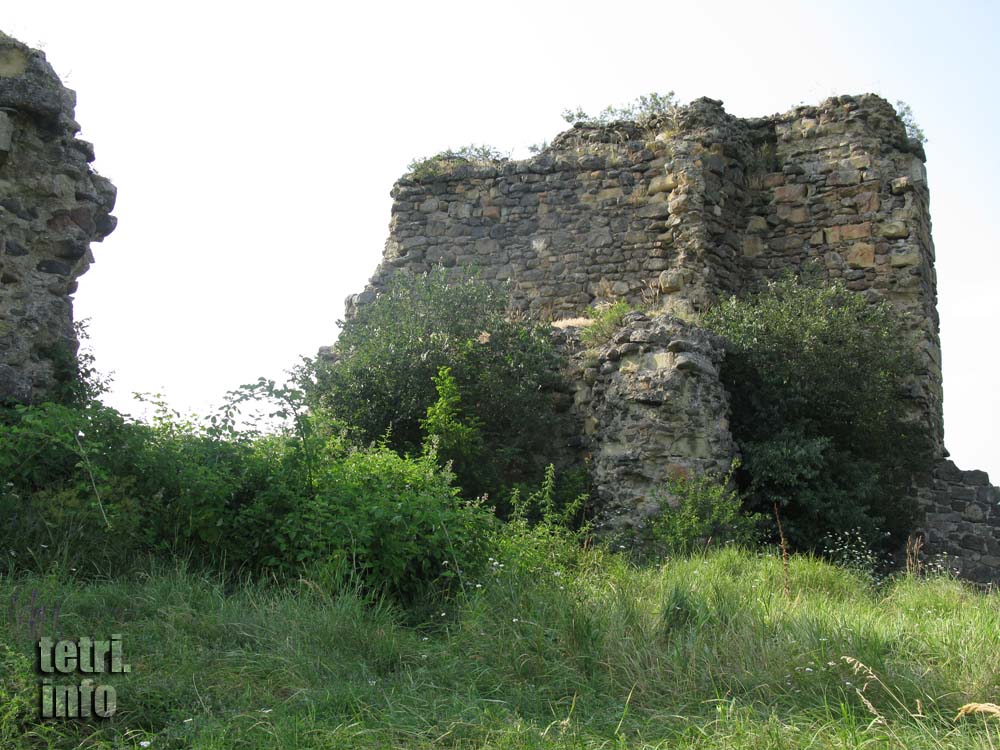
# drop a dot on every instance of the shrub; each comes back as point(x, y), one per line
point(381, 379)
point(708, 509)
point(821, 409)
point(67, 492)
point(87, 488)
point(454, 439)
point(395, 523)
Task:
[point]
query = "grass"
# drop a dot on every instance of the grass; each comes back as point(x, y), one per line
point(553, 648)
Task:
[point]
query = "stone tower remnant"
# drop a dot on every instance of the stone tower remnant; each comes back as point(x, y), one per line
point(688, 210)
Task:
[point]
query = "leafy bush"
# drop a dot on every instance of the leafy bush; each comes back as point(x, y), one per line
point(645, 110)
point(502, 373)
point(87, 488)
point(556, 504)
point(395, 523)
point(821, 408)
point(454, 439)
point(708, 509)
point(66, 491)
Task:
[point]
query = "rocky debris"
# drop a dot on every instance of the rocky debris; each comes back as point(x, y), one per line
point(652, 408)
point(52, 206)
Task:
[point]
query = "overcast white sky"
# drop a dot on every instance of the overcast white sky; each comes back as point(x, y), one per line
point(254, 146)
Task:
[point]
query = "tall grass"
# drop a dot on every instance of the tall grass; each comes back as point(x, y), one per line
point(553, 648)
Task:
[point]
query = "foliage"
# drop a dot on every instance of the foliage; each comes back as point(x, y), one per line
point(708, 509)
point(556, 504)
point(607, 319)
point(89, 489)
point(394, 523)
point(381, 380)
point(913, 130)
point(447, 161)
point(646, 110)
point(821, 408)
point(455, 440)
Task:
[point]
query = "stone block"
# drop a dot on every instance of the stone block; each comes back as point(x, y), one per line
point(901, 185)
point(790, 193)
point(671, 281)
point(793, 215)
point(843, 177)
point(856, 231)
point(894, 230)
point(6, 134)
point(861, 255)
point(753, 246)
point(662, 184)
point(654, 210)
point(904, 258)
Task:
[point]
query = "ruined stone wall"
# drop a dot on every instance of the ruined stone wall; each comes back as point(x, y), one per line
point(962, 520)
point(52, 206)
point(672, 216)
point(698, 205)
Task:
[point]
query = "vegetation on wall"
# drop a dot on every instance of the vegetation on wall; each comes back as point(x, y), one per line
point(447, 161)
point(646, 110)
point(913, 130)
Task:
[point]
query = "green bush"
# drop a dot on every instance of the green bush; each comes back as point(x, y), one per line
point(88, 489)
point(388, 357)
point(394, 523)
point(821, 408)
point(708, 510)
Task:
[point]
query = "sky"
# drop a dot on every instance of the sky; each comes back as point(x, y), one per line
point(254, 146)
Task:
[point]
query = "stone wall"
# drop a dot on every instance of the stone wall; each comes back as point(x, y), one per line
point(962, 520)
point(652, 407)
point(698, 205)
point(52, 206)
